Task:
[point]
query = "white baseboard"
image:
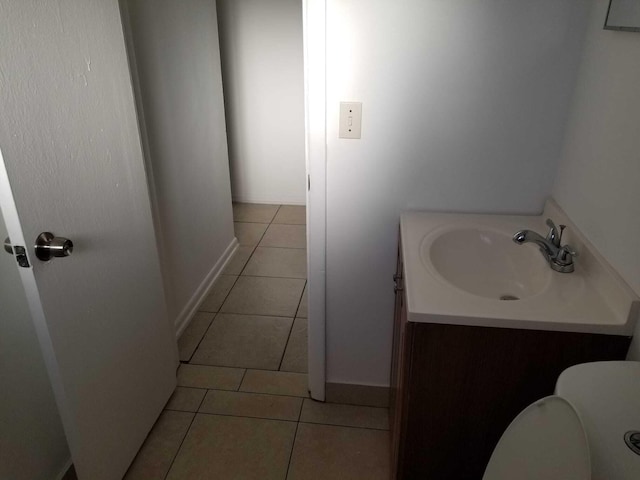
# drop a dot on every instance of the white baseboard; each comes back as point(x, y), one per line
point(184, 318)
point(269, 201)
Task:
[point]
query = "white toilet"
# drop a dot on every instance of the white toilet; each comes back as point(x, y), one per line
point(578, 433)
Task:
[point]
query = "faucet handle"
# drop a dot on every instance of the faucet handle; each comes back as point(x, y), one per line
point(553, 236)
point(565, 255)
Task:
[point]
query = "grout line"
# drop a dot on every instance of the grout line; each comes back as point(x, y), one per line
point(241, 380)
point(282, 419)
point(346, 426)
point(247, 416)
point(202, 401)
point(253, 245)
point(215, 315)
point(301, 295)
point(278, 247)
point(180, 446)
point(258, 393)
point(248, 260)
point(275, 317)
point(242, 368)
point(284, 350)
point(276, 214)
point(260, 223)
point(271, 276)
point(202, 337)
point(227, 295)
point(258, 314)
point(235, 220)
point(293, 447)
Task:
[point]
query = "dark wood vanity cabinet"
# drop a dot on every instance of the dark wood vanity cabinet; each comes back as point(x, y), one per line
point(455, 389)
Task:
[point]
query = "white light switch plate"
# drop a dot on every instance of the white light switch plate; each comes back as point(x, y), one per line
point(350, 119)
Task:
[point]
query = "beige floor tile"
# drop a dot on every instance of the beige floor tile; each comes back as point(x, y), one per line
point(277, 262)
point(160, 447)
point(252, 405)
point(249, 233)
point(186, 399)
point(303, 309)
point(264, 296)
point(245, 341)
point(238, 261)
point(192, 335)
point(295, 355)
point(345, 415)
point(204, 376)
point(291, 214)
point(218, 293)
point(253, 212)
point(323, 451)
point(275, 383)
point(223, 447)
point(285, 236)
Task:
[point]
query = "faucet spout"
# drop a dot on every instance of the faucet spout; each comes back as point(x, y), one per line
point(560, 257)
point(527, 236)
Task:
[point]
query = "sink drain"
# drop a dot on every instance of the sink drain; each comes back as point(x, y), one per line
point(508, 297)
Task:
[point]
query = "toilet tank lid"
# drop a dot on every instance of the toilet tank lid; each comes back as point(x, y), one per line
point(606, 396)
point(546, 441)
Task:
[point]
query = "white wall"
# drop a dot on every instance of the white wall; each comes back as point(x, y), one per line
point(598, 182)
point(32, 441)
point(261, 44)
point(464, 108)
point(177, 68)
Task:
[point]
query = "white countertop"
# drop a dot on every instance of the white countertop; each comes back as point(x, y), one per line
point(593, 299)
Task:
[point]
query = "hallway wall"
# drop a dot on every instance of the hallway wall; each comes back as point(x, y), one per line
point(262, 67)
point(178, 84)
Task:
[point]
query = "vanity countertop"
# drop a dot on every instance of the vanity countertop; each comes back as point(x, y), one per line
point(592, 299)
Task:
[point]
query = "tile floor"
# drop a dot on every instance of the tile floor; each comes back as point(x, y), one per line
point(241, 409)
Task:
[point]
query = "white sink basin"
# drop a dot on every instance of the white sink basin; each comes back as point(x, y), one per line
point(460, 268)
point(485, 262)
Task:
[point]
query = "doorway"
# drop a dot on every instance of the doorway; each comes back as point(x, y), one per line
point(262, 59)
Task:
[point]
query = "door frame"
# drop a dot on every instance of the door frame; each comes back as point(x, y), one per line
point(314, 41)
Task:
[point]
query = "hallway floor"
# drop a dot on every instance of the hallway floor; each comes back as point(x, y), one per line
point(241, 409)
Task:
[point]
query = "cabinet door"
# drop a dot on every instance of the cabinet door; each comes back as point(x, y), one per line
point(400, 371)
point(398, 282)
point(468, 383)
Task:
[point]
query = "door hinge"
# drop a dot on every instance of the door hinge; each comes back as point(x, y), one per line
point(308, 182)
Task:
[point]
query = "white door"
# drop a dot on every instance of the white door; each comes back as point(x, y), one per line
point(72, 165)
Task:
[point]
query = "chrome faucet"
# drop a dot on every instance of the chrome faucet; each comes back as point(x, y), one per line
point(560, 257)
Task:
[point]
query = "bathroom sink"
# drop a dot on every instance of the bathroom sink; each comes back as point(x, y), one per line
point(485, 262)
point(463, 269)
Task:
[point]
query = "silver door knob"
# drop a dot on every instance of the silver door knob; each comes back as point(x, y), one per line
point(49, 246)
